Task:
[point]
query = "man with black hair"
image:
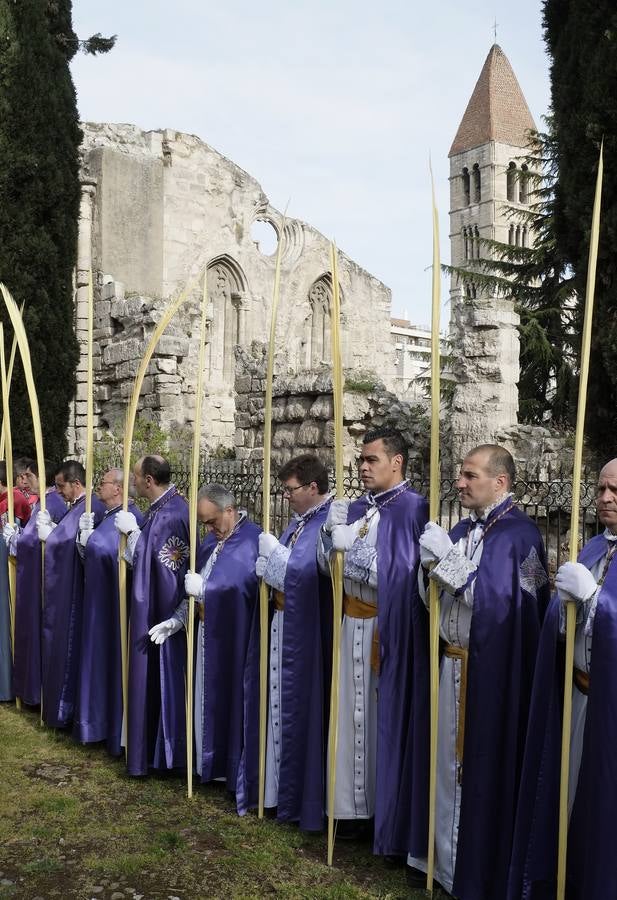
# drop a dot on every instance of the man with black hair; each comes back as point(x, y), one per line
point(63, 594)
point(299, 650)
point(158, 553)
point(491, 571)
point(26, 546)
point(384, 679)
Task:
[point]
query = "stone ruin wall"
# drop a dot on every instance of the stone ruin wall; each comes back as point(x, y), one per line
point(157, 207)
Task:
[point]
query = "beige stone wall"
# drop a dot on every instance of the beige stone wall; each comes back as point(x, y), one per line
point(158, 208)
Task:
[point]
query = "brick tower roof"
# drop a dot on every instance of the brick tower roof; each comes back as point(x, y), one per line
point(497, 110)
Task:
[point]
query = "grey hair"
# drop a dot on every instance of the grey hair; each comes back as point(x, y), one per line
point(217, 494)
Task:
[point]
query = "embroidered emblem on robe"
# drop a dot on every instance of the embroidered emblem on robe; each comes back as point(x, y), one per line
point(173, 553)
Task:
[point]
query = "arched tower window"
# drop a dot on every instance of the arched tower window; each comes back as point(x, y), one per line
point(465, 180)
point(477, 184)
point(476, 241)
point(511, 235)
point(511, 181)
point(226, 292)
point(465, 243)
point(524, 185)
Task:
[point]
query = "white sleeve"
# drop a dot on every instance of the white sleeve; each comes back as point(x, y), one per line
point(276, 567)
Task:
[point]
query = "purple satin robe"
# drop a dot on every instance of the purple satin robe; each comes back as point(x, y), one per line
point(402, 700)
point(591, 870)
point(231, 600)
point(98, 716)
point(503, 641)
point(305, 687)
point(156, 717)
point(27, 663)
point(62, 610)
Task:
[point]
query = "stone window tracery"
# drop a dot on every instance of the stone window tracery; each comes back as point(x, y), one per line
point(466, 186)
point(226, 293)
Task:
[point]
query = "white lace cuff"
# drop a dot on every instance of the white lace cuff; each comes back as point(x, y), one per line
point(276, 567)
point(131, 543)
point(453, 571)
point(361, 563)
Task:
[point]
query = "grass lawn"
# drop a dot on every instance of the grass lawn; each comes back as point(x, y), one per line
point(73, 824)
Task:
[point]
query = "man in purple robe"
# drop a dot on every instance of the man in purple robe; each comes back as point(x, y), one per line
point(98, 716)
point(300, 650)
point(226, 589)
point(591, 584)
point(63, 595)
point(158, 553)
point(494, 591)
point(383, 695)
point(26, 546)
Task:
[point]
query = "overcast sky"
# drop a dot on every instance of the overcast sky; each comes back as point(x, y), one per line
point(336, 105)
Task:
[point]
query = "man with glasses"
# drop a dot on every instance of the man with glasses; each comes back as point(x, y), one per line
point(299, 650)
point(382, 723)
point(98, 715)
point(226, 589)
point(63, 595)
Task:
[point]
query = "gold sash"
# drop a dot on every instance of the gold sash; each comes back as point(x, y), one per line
point(356, 608)
point(461, 653)
point(581, 680)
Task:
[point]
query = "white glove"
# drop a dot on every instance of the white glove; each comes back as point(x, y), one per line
point(9, 532)
point(260, 566)
point(267, 543)
point(125, 522)
point(43, 518)
point(86, 521)
point(84, 536)
point(575, 582)
point(193, 585)
point(343, 537)
point(337, 514)
point(44, 531)
point(159, 633)
point(434, 543)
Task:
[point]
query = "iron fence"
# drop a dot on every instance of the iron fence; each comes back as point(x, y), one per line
point(547, 502)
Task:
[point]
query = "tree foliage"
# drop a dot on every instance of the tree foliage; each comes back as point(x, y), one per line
point(581, 37)
point(39, 204)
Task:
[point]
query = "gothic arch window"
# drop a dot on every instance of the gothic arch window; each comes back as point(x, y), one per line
point(511, 181)
point(477, 184)
point(511, 235)
point(466, 243)
point(518, 236)
point(524, 185)
point(226, 293)
point(524, 237)
point(466, 186)
point(476, 241)
point(318, 323)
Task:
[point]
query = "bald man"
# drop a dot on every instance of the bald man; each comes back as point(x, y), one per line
point(493, 583)
point(98, 714)
point(158, 553)
point(590, 584)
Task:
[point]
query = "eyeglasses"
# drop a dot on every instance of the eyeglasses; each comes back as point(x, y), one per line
point(290, 491)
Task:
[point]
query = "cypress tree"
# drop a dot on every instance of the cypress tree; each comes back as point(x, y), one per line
point(581, 37)
point(39, 204)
